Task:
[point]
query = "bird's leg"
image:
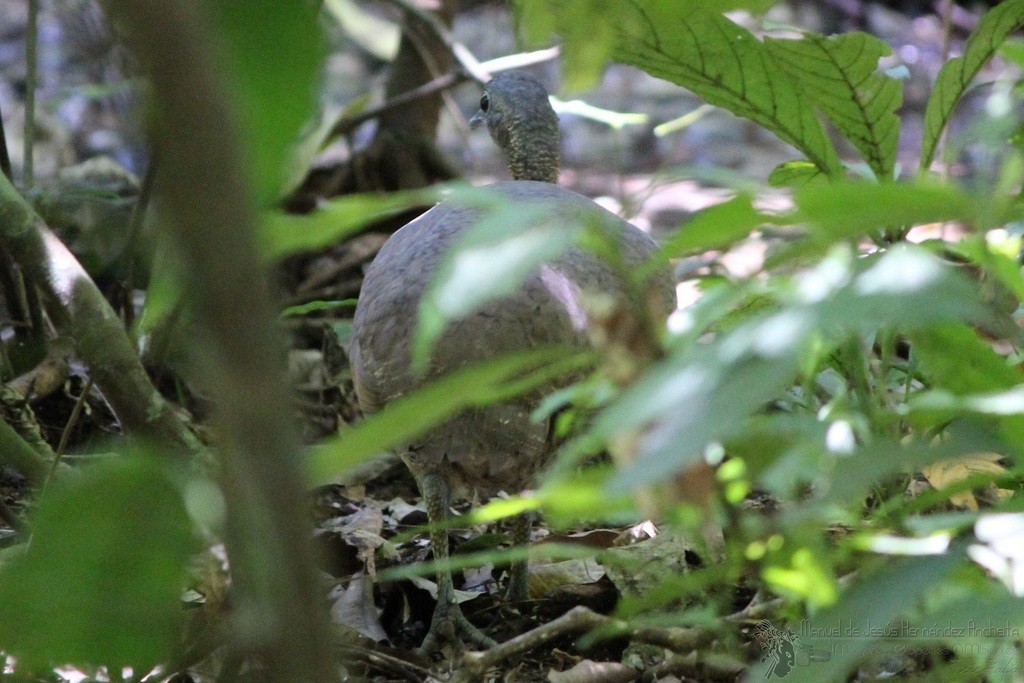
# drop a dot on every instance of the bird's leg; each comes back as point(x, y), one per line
point(449, 623)
point(518, 590)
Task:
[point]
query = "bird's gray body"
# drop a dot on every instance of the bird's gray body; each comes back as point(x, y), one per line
point(498, 447)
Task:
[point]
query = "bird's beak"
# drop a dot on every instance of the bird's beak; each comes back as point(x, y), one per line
point(477, 119)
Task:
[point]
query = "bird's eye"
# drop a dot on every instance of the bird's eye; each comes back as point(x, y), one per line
point(485, 102)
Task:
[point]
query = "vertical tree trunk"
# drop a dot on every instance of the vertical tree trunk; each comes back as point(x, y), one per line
point(277, 610)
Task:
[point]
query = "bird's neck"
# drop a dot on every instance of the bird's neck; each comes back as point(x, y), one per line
point(532, 154)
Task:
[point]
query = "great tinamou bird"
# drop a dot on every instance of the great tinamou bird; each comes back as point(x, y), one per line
point(498, 447)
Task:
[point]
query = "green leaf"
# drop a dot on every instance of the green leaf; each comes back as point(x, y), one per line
point(314, 306)
point(850, 209)
point(416, 413)
point(956, 360)
point(957, 74)
point(101, 582)
point(708, 393)
point(275, 53)
point(840, 75)
point(589, 44)
point(283, 234)
point(690, 44)
point(999, 260)
point(726, 65)
point(584, 52)
point(837, 637)
point(854, 474)
point(795, 173)
point(716, 226)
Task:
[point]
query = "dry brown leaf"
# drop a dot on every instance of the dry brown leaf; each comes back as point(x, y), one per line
point(947, 472)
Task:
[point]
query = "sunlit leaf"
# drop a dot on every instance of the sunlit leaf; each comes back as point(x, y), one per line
point(690, 44)
point(840, 74)
point(946, 472)
point(957, 74)
point(795, 174)
point(805, 577)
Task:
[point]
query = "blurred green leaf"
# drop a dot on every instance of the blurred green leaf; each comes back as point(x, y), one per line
point(415, 413)
point(840, 74)
point(957, 74)
point(487, 264)
point(708, 393)
point(795, 174)
point(587, 43)
point(716, 226)
point(101, 582)
point(507, 244)
point(314, 306)
point(583, 494)
point(283, 234)
point(999, 260)
point(956, 360)
point(836, 638)
point(854, 474)
point(806, 576)
point(838, 211)
point(275, 50)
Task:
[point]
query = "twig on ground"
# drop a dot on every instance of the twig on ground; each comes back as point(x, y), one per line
point(578, 620)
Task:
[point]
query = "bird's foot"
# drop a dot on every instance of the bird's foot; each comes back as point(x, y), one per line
point(450, 626)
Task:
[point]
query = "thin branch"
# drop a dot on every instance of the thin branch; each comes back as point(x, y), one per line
point(31, 60)
point(469, 63)
point(65, 435)
point(577, 620)
point(346, 125)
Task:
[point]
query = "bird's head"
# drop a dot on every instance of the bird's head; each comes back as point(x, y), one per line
point(519, 117)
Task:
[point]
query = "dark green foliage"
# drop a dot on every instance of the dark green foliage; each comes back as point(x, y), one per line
point(101, 582)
